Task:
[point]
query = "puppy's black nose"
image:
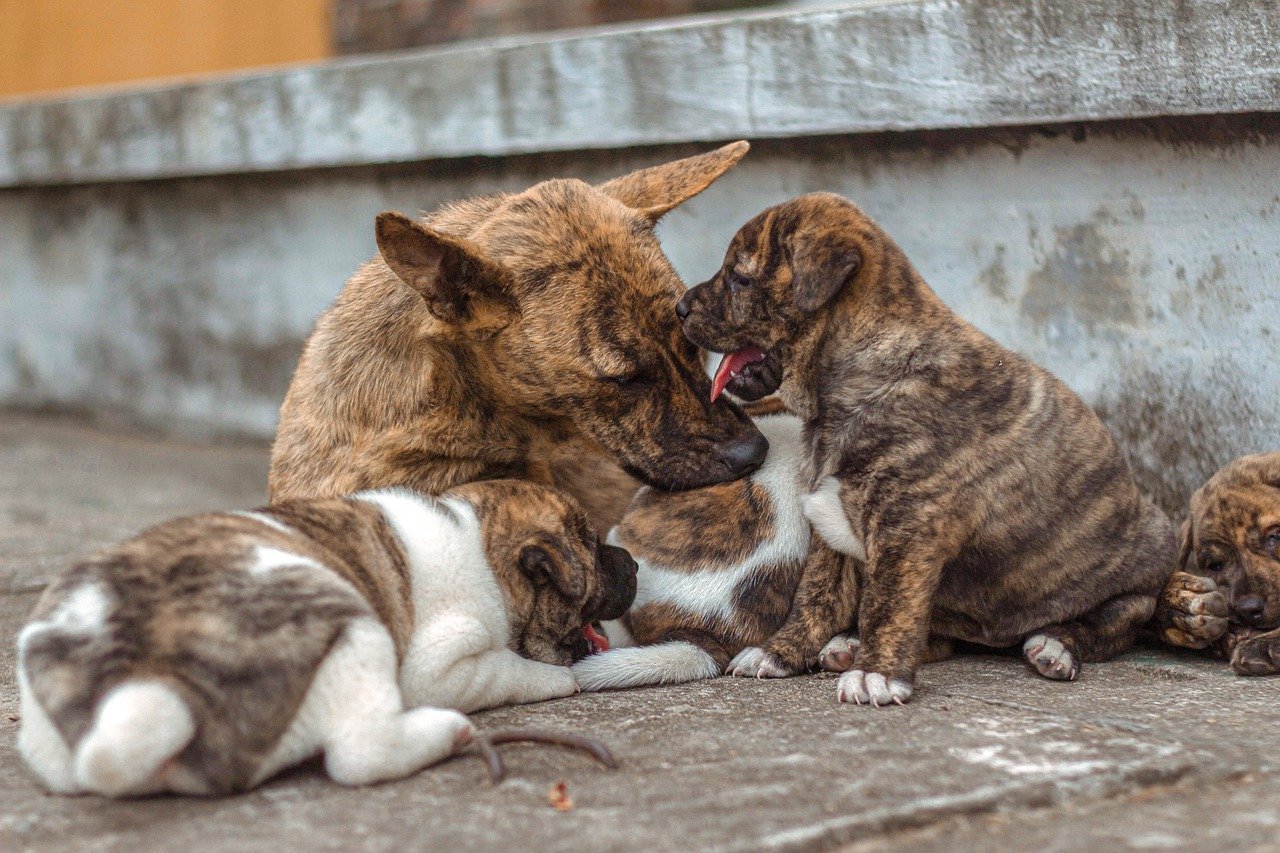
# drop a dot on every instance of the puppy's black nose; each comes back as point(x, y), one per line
point(683, 306)
point(744, 455)
point(1250, 607)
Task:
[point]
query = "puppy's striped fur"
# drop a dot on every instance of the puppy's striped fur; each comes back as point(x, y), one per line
point(718, 569)
point(990, 503)
point(208, 653)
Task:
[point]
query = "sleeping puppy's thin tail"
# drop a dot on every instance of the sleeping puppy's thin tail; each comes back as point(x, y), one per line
point(666, 663)
point(139, 726)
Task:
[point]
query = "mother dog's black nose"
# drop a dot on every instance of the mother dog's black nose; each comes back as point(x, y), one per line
point(1250, 607)
point(744, 455)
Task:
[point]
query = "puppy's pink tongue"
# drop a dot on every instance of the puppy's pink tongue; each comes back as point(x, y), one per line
point(731, 365)
point(595, 638)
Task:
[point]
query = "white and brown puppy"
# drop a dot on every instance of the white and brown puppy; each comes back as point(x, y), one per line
point(718, 569)
point(208, 653)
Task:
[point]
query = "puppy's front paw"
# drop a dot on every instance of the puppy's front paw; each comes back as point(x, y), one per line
point(1191, 612)
point(754, 662)
point(872, 688)
point(1257, 655)
point(838, 654)
point(1051, 657)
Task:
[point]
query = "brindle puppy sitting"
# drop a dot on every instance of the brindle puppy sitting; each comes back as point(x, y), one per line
point(1232, 539)
point(989, 503)
point(208, 653)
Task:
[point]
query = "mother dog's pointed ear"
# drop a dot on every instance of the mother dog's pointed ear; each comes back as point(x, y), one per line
point(656, 190)
point(451, 274)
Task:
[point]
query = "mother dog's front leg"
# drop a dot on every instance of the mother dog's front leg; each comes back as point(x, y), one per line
point(900, 579)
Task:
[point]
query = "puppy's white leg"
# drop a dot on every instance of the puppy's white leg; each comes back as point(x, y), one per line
point(454, 665)
point(355, 714)
point(666, 663)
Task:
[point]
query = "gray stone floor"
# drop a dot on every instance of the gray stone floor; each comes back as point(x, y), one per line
point(1156, 750)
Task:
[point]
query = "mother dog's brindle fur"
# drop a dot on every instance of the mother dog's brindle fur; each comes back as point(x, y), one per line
point(989, 503)
point(501, 332)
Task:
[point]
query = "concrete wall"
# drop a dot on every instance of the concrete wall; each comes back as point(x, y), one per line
point(1140, 260)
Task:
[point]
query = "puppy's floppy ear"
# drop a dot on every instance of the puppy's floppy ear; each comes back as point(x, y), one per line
point(656, 190)
point(1184, 553)
point(821, 264)
point(450, 273)
point(544, 563)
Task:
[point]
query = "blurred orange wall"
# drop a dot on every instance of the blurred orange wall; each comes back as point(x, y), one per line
point(46, 45)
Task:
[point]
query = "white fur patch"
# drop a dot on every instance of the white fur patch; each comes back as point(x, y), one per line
point(665, 663)
point(1050, 657)
point(267, 559)
point(263, 518)
point(826, 513)
point(838, 648)
point(754, 662)
point(40, 743)
point(139, 726)
point(711, 593)
point(872, 688)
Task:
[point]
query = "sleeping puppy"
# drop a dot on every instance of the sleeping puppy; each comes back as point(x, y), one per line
point(1232, 539)
point(718, 569)
point(208, 653)
point(989, 503)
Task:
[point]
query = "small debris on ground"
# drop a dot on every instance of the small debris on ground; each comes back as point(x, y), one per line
point(558, 797)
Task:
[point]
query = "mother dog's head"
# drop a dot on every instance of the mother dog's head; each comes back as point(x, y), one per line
point(566, 303)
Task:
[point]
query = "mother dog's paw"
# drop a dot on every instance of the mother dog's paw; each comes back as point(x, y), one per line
point(1257, 655)
point(1051, 657)
point(872, 688)
point(753, 662)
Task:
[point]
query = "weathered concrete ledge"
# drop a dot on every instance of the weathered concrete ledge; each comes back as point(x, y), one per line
point(864, 67)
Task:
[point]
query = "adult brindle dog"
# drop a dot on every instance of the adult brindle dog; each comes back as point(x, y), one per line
point(504, 332)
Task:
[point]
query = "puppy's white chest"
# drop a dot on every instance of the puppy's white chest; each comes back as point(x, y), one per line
point(826, 513)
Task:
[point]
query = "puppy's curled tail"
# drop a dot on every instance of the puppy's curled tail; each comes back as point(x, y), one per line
point(138, 727)
point(675, 662)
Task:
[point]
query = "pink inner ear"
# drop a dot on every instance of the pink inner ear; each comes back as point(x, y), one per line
point(730, 365)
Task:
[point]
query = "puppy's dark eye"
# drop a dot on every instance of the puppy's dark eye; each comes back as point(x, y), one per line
point(1271, 541)
point(1212, 565)
point(736, 282)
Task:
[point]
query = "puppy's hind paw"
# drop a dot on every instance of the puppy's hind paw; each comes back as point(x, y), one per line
point(838, 654)
point(753, 662)
point(1050, 657)
point(872, 688)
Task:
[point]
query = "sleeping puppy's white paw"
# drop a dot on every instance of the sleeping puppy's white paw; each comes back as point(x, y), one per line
point(753, 662)
point(1050, 657)
point(872, 688)
point(838, 654)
